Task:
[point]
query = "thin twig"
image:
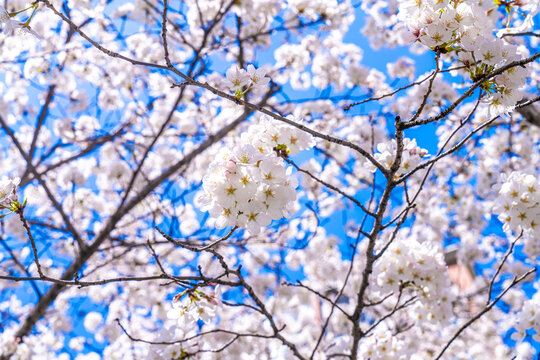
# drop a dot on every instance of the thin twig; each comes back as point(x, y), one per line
point(510, 249)
point(194, 248)
point(20, 210)
point(164, 35)
point(330, 186)
point(485, 310)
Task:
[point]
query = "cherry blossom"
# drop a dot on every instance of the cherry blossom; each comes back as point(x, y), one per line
point(518, 206)
point(411, 156)
point(298, 190)
point(250, 187)
point(528, 318)
point(8, 194)
point(257, 76)
point(237, 78)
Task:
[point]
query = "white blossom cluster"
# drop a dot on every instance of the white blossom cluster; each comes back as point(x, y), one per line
point(193, 305)
point(32, 348)
point(518, 206)
point(7, 192)
point(528, 318)
point(420, 267)
point(404, 67)
point(383, 346)
point(9, 345)
point(411, 156)
point(467, 27)
point(241, 81)
point(249, 186)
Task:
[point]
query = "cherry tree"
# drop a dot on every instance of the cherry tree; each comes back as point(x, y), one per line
point(232, 179)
